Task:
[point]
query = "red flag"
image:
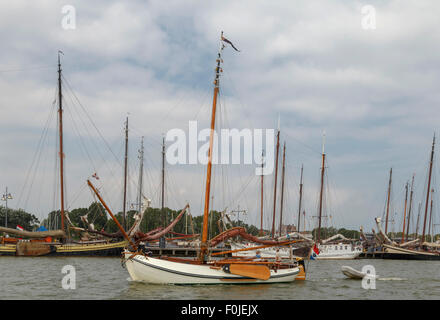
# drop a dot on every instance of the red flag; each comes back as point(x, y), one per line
point(95, 176)
point(20, 227)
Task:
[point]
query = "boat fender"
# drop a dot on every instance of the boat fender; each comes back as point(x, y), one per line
point(226, 268)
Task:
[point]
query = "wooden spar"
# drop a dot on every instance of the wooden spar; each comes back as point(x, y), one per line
point(141, 174)
point(300, 199)
point(410, 207)
point(125, 177)
point(429, 188)
point(404, 213)
point(282, 187)
point(304, 220)
point(430, 215)
point(418, 219)
point(262, 185)
point(322, 189)
point(111, 214)
point(60, 111)
point(204, 243)
point(164, 219)
point(388, 200)
point(275, 184)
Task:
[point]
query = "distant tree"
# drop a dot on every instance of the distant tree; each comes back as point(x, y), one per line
point(18, 217)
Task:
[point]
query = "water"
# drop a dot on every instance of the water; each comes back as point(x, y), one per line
point(103, 278)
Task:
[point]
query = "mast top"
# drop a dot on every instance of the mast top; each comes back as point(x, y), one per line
point(323, 142)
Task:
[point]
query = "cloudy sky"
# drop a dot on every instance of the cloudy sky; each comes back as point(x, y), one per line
point(373, 91)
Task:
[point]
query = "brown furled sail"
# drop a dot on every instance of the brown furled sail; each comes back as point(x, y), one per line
point(34, 235)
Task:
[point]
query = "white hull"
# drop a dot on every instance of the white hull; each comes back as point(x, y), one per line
point(269, 252)
point(338, 252)
point(159, 271)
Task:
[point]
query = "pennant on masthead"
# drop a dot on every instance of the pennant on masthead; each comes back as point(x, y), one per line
point(227, 41)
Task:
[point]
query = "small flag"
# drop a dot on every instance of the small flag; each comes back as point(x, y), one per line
point(227, 41)
point(20, 227)
point(315, 252)
point(95, 176)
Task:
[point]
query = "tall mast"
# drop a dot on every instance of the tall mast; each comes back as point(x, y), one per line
point(163, 183)
point(404, 213)
point(388, 200)
point(300, 198)
point(204, 243)
point(262, 195)
point(418, 219)
point(125, 177)
point(275, 184)
point(141, 173)
point(60, 112)
point(410, 206)
point(430, 215)
point(304, 219)
point(282, 187)
point(429, 188)
point(322, 188)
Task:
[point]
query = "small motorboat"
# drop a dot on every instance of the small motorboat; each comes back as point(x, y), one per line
point(355, 274)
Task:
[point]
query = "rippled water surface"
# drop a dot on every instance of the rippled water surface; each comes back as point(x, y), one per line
point(104, 278)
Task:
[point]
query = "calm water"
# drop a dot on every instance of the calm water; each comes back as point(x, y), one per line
point(104, 278)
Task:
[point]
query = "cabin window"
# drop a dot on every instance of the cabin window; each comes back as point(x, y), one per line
point(345, 247)
point(336, 247)
point(341, 248)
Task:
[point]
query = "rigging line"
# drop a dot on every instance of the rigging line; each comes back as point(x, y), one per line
point(76, 196)
point(25, 69)
point(37, 151)
point(94, 143)
point(241, 104)
point(82, 144)
point(302, 143)
point(90, 119)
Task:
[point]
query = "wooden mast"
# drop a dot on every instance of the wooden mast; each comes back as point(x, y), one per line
point(322, 188)
point(125, 177)
point(300, 199)
point(141, 173)
point(410, 207)
point(430, 216)
point(164, 219)
point(404, 213)
point(60, 112)
point(275, 184)
point(429, 188)
point(418, 219)
point(282, 187)
point(204, 243)
point(262, 195)
point(388, 200)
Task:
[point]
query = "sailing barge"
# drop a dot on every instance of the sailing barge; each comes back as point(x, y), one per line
point(204, 269)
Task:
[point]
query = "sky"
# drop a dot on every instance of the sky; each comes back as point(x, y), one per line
point(314, 65)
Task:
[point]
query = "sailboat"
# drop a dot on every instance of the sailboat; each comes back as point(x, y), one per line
point(204, 270)
point(41, 243)
point(417, 249)
point(283, 252)
point(329, 249)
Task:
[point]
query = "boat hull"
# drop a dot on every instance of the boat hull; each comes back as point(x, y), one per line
point(113, 249)
point(394, 253)
point(338, 252)
point(160, 271)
